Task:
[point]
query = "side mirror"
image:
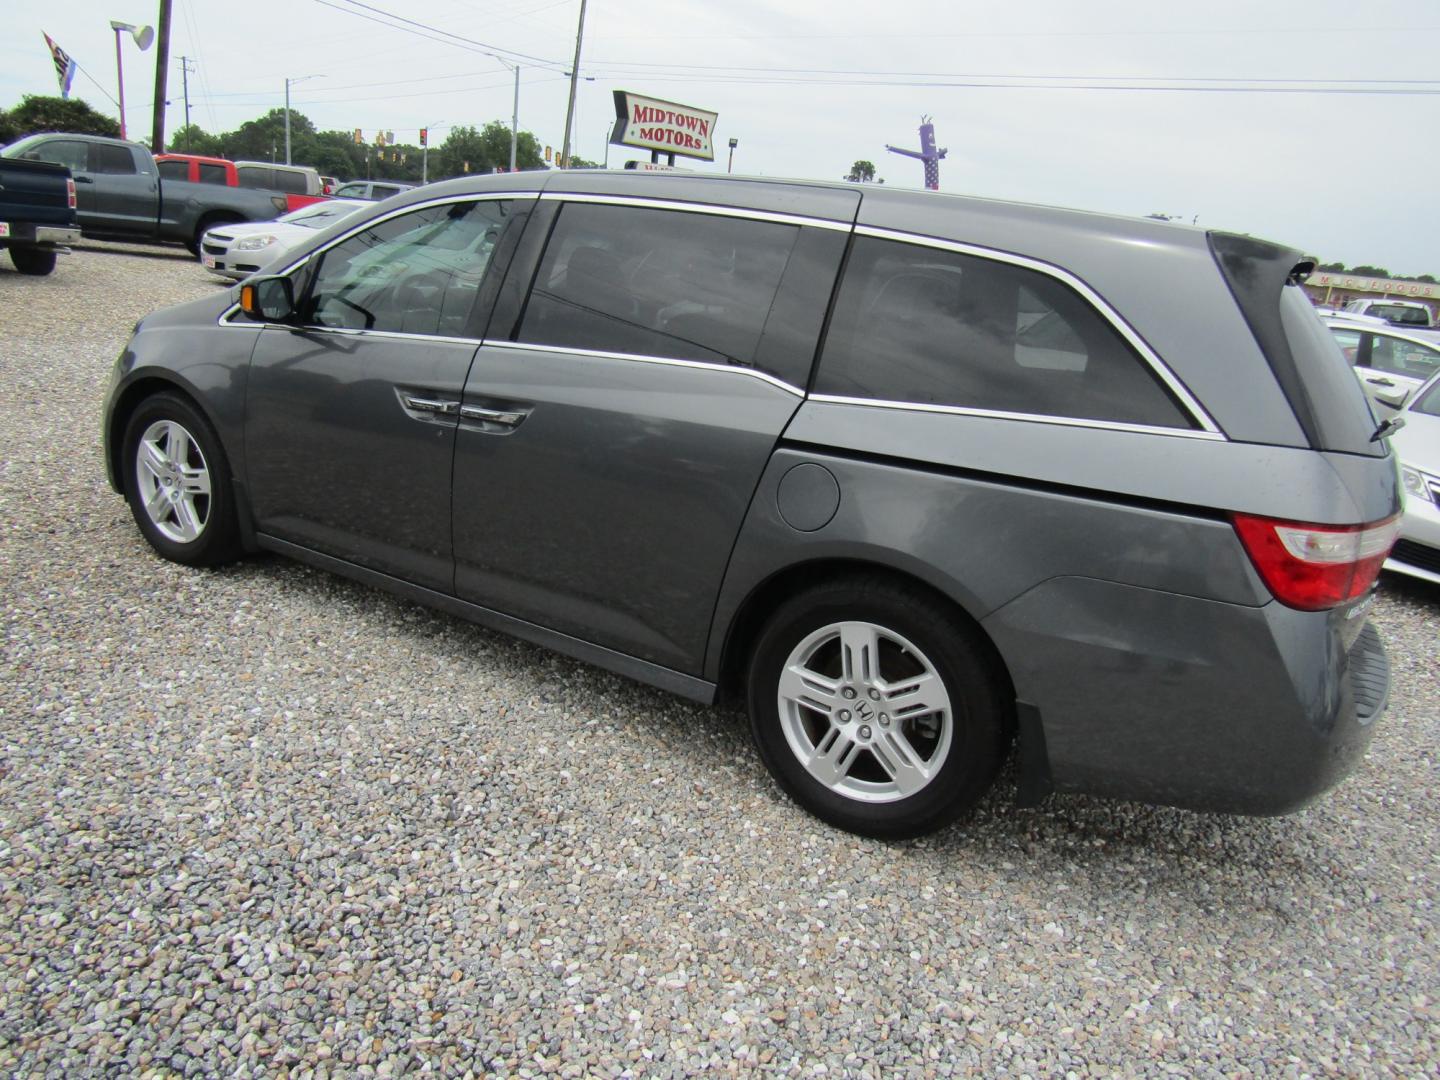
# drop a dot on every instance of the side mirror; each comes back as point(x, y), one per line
point(268, 299)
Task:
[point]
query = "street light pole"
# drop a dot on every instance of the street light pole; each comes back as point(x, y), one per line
point(515, 120)
point(731, 166)
point(288, 81)
point(143, 35)
point(574, 83)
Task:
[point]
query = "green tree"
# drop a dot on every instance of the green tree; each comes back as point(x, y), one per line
point(1332, 267)
point(1369, 271)
point(1427, 278)
point(193, 139)
point(862, 172)
point(484, 150)
point(37, 112)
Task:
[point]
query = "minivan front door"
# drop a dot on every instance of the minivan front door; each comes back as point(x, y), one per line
point(351, 413)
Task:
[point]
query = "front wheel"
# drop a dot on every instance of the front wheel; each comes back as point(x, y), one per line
point(178, 484)
point(876, 709)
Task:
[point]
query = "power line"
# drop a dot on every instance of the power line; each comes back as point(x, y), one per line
point(480, 46)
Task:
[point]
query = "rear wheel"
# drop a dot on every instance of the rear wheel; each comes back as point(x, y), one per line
point(32, 260)
point(178, 484)
point(876, 709)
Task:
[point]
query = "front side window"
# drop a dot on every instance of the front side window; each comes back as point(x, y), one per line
point(351, 191)
point(73, 155)
point(418, 273)
point(649, 282)
point(174, 170)
point(212, 174)
point(918, 324)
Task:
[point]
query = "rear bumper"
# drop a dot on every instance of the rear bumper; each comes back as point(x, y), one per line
point(46, 236)
point(1187, 702)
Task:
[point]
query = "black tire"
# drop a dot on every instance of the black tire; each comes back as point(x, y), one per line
point(181, 509)
point(33, 261)
point(204, 226)
point(869, 800)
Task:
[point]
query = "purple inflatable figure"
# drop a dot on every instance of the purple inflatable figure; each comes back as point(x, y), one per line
point(927, 153)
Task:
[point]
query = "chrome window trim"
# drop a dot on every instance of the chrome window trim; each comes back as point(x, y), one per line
point(1162, 371)
point(698, 208)
point(645, 358)
point(486, 196)
point(1033, 418)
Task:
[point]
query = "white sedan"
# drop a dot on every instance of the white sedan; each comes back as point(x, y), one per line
point(245, 247)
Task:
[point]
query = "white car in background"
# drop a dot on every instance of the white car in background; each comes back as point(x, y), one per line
point(1390, 362)
point(1417, 445)
point(238, 250)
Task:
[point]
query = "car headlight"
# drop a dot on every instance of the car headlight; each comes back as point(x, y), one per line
point(1415, 485)
point(255, 243)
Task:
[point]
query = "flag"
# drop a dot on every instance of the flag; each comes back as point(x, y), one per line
point(64, 66)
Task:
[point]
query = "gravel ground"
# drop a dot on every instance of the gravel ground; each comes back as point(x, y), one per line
point(262, 821)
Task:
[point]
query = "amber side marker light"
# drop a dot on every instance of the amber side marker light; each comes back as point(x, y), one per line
point(1315, 567)
point(248, 302)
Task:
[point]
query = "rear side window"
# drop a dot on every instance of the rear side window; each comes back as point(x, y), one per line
point(290, 181)
point(1400, 357)
point(105, 158)
point(688, 286)
point(212, 174)
point(174, 170)
point(934, 327)
point(253, 176)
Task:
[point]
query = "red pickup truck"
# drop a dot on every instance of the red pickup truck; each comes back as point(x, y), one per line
point(299, 184)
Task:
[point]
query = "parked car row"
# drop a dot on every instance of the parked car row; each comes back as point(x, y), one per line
point(915, 477)
point(237, 251)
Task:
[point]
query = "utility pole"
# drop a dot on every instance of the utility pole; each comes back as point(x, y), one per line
point(185, 70)
point(288, 81)
point(574, 82)
point(162, 74)
point(515, 120)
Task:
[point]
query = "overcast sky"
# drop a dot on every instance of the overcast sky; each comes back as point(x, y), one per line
point(808, 87)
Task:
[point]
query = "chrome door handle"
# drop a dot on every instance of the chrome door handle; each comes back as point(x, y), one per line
point(1381, 382)
point(494, 416)
point(435, 405)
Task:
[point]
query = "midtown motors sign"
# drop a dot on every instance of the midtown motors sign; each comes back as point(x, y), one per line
point(663, 126)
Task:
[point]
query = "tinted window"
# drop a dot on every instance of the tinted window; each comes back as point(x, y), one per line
point(936, 327)
point(384, 191)
point(213, 174)
point(657, 283)
point(417, 274)
point(253, 176)
point(174, 170)
point(351, 191)
point(76, 155)
point(1428, 402)
point(1349, 342)
point(105, 158)
point(285, 180)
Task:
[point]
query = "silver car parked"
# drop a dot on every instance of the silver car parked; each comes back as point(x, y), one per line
point(1417, 553)
point(1390, 363)
point(918, 478)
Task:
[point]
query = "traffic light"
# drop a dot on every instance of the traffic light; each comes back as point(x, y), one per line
point(424, 134)
point(358, 137)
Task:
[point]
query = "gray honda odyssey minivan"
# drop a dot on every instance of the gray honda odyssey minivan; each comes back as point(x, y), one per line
point(919, 478)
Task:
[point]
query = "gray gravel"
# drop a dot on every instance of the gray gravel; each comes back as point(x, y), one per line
point(262, 821)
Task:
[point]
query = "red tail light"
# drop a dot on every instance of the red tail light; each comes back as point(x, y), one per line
point(1314, 567)
point(70, 192)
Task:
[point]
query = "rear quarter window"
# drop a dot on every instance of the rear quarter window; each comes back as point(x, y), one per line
point(251, 176)
point(213, 174)
point(923, 325)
